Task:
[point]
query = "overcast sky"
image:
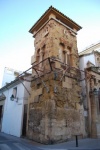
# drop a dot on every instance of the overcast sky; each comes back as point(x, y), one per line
point(18, 16)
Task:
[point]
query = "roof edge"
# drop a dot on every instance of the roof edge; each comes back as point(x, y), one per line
point(47, 11)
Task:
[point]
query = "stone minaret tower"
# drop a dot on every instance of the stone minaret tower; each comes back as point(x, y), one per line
point(54, 111)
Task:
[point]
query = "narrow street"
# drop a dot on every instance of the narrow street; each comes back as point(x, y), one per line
point(8, 142)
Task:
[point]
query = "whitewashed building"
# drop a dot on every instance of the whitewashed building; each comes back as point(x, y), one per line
point(15, 109)
point(87, 58)
point(2, 102)
point(90, 54)
point(9, 75)
point(89, 61)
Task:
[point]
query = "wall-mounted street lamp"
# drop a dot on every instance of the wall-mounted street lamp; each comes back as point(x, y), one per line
point(12, 98)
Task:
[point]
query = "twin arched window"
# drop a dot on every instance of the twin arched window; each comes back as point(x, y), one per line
point(40, 55)
point(65, 54)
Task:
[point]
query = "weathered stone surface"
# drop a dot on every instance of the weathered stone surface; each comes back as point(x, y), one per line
point(36, 93)
point(57, 65)
point(54, 109)
point(55, 116)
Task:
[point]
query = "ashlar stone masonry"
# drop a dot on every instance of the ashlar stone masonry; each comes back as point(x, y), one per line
point(54, 110)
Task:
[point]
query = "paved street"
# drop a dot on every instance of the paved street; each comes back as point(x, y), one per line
point(84, 144)
point(8, 142)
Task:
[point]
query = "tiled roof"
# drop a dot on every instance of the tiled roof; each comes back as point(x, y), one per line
point(52, 8)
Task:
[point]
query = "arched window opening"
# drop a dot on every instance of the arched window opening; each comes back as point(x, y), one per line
point(43, 54)
point(62, 53)
point(38, 56)
point(69, 57)
point(64, 57)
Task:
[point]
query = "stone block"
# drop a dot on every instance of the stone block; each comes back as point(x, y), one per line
point(67, 83)
point(77, 106)
point(38, 81)
point(68, 80)
point(36, 99)
point(36, 93)
point(57, 64)
point(50, 54)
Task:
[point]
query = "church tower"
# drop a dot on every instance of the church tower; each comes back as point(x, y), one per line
point(54, 110)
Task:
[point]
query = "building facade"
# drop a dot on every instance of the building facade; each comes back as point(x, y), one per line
point(54, 110)
point(2, 102)
point(90, 63)
point(15, 108)
point(9, 75)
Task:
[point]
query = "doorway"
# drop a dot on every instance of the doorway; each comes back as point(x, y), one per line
point(1, 116)
point(24, 120)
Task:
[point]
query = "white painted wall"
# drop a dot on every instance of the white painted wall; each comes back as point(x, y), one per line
point(13, 111)
point(85, 58)
point(8, 76)
point(90, 58)
point(83, 64)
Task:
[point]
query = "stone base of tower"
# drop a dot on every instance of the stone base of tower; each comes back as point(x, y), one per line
point(62, 127)
point(54, 115)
